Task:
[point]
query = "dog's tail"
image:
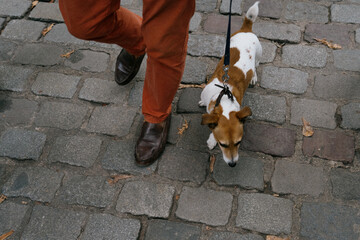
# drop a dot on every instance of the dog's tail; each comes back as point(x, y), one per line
point(250, 18)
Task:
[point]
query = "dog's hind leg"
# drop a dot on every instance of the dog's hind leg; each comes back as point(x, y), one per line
point(211, 142)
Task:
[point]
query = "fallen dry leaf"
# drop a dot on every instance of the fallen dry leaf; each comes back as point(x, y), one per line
point(23, 202)
point(208, 228)
point(182, 86)
point(307, 129)
point(177, 197)
point(34, 3)
point(329, 44)
point(6, 235)
point(276, 238)
point(212, 163)
point(114, 179)
point(68, 54)
point(183, 128)
point(2, 198)
point(47, 29)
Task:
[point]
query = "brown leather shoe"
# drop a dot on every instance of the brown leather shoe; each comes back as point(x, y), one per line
point(127, 66)
point(151, 142)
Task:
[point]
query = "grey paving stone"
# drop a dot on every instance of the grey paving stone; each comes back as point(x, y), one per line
point(135, 96)
point(11, 216)
point(338, 34)
point(343, 86)
point(329, 221)
point(350, 116)
point(87, 190)
point(318, 113)
point(106, 226)
point(277, 31)
point(256, 138)
point(345, 184)
point(268, 52)
point(60, 115)
point(309, 12)
point(234, 236)
point(205, 5)
point(336, 146)
point(196, 135)
point(284, 79)
point(55, 84)
point(195, 70)
point(2, 20)
point(306, 56)
point(14, 78)
point(146, 198)
point(298, 179)
point(23, 29)
point(111, 120)
point(266, 107)
point(235, 8)
point(269, 8)
point(195, 22)
point(248, 173)
point(22, 144)
point(195, 204)
point(39, 54)
point(15, 8)
point(264, 213)
point(60, 34)
point(177, 122)
point(206, 45)
point(36, 183)
point(347, 59)
point(216, 23)
point(103, 91)
point(183, 165)
point(57, 224)
point(163, 230)
point(87, 60)
point(345, 13)
point(119, 156)
point(188, 100)
point(7, 48)
point(75, 150)
point(357, 35)
point(17, 111)
point(47, 11)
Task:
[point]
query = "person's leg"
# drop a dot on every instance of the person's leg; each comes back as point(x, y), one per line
point(165, 32)
point(104, 21)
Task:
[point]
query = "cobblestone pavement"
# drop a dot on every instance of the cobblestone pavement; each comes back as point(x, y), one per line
point(67, 129)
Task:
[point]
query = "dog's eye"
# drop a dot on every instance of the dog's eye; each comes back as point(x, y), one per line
point(223, 145)
point(237, 143)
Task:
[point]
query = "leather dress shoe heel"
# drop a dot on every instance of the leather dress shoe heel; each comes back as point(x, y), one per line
point(127, 66)
point(151, 142)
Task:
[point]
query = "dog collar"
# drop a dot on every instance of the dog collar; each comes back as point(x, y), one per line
point(225, 91)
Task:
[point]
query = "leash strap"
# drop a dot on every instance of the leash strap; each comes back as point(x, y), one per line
point(227, 46)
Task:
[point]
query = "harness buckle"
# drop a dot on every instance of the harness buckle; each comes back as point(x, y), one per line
point(226, 77)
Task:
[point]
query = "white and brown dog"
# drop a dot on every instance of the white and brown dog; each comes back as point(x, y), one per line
point(226, 119)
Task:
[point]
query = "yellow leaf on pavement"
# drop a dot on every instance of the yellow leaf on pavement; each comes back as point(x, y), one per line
point(48, 29)
point(307, 130)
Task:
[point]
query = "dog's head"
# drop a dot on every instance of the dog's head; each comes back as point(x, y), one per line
point(228, 132)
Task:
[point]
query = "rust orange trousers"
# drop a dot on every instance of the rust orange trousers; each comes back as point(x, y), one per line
point(162, 33)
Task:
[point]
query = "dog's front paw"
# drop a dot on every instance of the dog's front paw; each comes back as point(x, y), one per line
point(201, 103)
point(211, 142)
point(254, 79)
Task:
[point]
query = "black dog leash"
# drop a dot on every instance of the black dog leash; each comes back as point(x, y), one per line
point(225, 88)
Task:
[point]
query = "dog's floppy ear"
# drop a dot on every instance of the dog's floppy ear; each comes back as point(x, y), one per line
point(210, 119)
point(243, 113)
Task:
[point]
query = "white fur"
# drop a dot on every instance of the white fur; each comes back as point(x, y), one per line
point(228, 160)
point(211, 142)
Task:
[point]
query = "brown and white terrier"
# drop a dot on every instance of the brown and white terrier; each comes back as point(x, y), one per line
point(226, 119)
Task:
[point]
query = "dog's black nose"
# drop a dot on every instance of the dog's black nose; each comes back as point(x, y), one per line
point(232, 164)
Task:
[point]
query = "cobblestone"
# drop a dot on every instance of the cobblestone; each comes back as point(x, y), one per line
point(351, 116)
point(106, 226)
point(39, 54)
point(194, 205)
point(268, 52)
point(264, 213)
point(357, 35)
point(317, 113)
point(347, 59)
point(216, 23)
point(302, 11)
point(146, 198)
point(338, 34)
point(47, 11)
point(345, 13)
point(298, 179)
point(235, 7)
point(269, 8)
point(234, 236)
point(36, 183)
point(11, 216)
point(55, 85)
point(17, 111)
point(278, 31)
point(344, 184)
point(306, 56)
point(188, 97)
point(206, 45)
point(75, 150)
point(14, 78)
point(87, 60)
point(57, 223)
point(16, 8)
point(248, 173)
point(61, 115)
point(161, 229)
point(7, 49)
point(23, 30)
point(22, 144)
point(195, 22)
point(206, 5)
point(284, 79)
point(195, 71)
point(330, 145)
point(266, 107)
point(135, 96)
point(60, 34)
